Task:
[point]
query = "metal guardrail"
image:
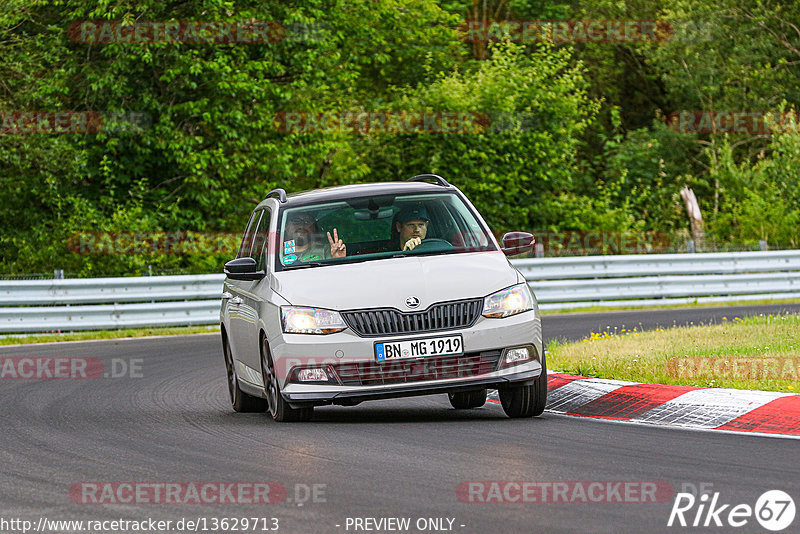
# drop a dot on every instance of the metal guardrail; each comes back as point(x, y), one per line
point(124, 302)
point(633, 265)
point(633, 280)
point(652, 279)
point(109, 317)
point(105, 290)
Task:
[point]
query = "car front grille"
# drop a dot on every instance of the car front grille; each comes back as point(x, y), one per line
point(386, 321)
point(375, 373)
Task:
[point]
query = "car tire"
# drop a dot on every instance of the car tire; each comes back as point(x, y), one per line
point(277, 406)
point(240, 401)
point(465, 400)
point(528, 400)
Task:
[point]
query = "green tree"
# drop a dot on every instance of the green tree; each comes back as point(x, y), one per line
point(538, 107)
point(211, 149)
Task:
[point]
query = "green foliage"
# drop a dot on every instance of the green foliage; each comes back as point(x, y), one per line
point(759, 215)
point(645, 167)
point(212, 149)
point(759, 202)
point(729, 54)
point(538, 108)
point(577, 139)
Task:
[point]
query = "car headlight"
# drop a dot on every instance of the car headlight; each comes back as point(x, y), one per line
point(511, 301)
point(300, 320)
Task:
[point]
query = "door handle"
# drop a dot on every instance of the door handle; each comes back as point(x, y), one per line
point(236, 300)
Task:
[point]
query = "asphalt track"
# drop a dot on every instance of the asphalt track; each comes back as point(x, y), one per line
point(399, 458)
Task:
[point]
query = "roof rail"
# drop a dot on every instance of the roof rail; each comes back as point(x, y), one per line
point(423, 177)
point(280, 193)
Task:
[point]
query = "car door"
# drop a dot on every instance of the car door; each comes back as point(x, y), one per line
point(245, 298)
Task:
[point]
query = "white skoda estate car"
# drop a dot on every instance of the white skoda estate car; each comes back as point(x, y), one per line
point(378, 291)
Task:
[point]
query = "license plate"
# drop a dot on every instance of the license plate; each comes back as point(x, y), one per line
point(419, 348)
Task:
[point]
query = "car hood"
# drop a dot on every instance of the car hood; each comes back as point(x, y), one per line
point(389, 282)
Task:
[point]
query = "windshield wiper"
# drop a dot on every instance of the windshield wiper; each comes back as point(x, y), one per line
point(437, 252)
point(425, 253)
point(304, 265)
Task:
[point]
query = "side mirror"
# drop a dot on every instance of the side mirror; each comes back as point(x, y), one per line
point(514, 243)
point(243, 269)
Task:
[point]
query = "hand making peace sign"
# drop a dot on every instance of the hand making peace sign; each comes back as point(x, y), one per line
point(338, 248)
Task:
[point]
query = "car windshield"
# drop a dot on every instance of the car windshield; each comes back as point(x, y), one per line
point(378, 227)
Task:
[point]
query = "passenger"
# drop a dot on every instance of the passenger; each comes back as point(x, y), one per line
point(302, 231)
point(409, 227)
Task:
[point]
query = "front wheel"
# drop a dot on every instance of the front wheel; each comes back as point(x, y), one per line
point(240, 401)
point(277, 406)
point(464, 400)
point(526, 401)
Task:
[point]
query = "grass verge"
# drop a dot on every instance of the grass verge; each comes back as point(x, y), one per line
point(759, 352)
point(106, 334)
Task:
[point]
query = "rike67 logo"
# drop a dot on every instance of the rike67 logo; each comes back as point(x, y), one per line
point(774, 510)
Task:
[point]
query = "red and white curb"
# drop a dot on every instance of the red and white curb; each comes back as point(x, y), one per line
point(762, 412)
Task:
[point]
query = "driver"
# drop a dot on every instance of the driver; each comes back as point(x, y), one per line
point(411, 226)
point(301, 230)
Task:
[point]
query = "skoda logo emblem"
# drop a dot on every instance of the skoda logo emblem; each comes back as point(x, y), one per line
point(412, 302)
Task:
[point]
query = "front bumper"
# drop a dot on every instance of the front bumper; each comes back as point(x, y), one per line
point(314, 394)
point(342, 348)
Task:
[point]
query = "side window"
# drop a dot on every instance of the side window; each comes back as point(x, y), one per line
point(247, 239)
point(259, 251)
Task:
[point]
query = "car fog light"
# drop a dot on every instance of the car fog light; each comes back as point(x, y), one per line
point(517, 355)
point(316, 374)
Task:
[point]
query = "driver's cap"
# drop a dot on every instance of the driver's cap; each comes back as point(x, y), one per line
point(411, 213)
point(303, 217)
